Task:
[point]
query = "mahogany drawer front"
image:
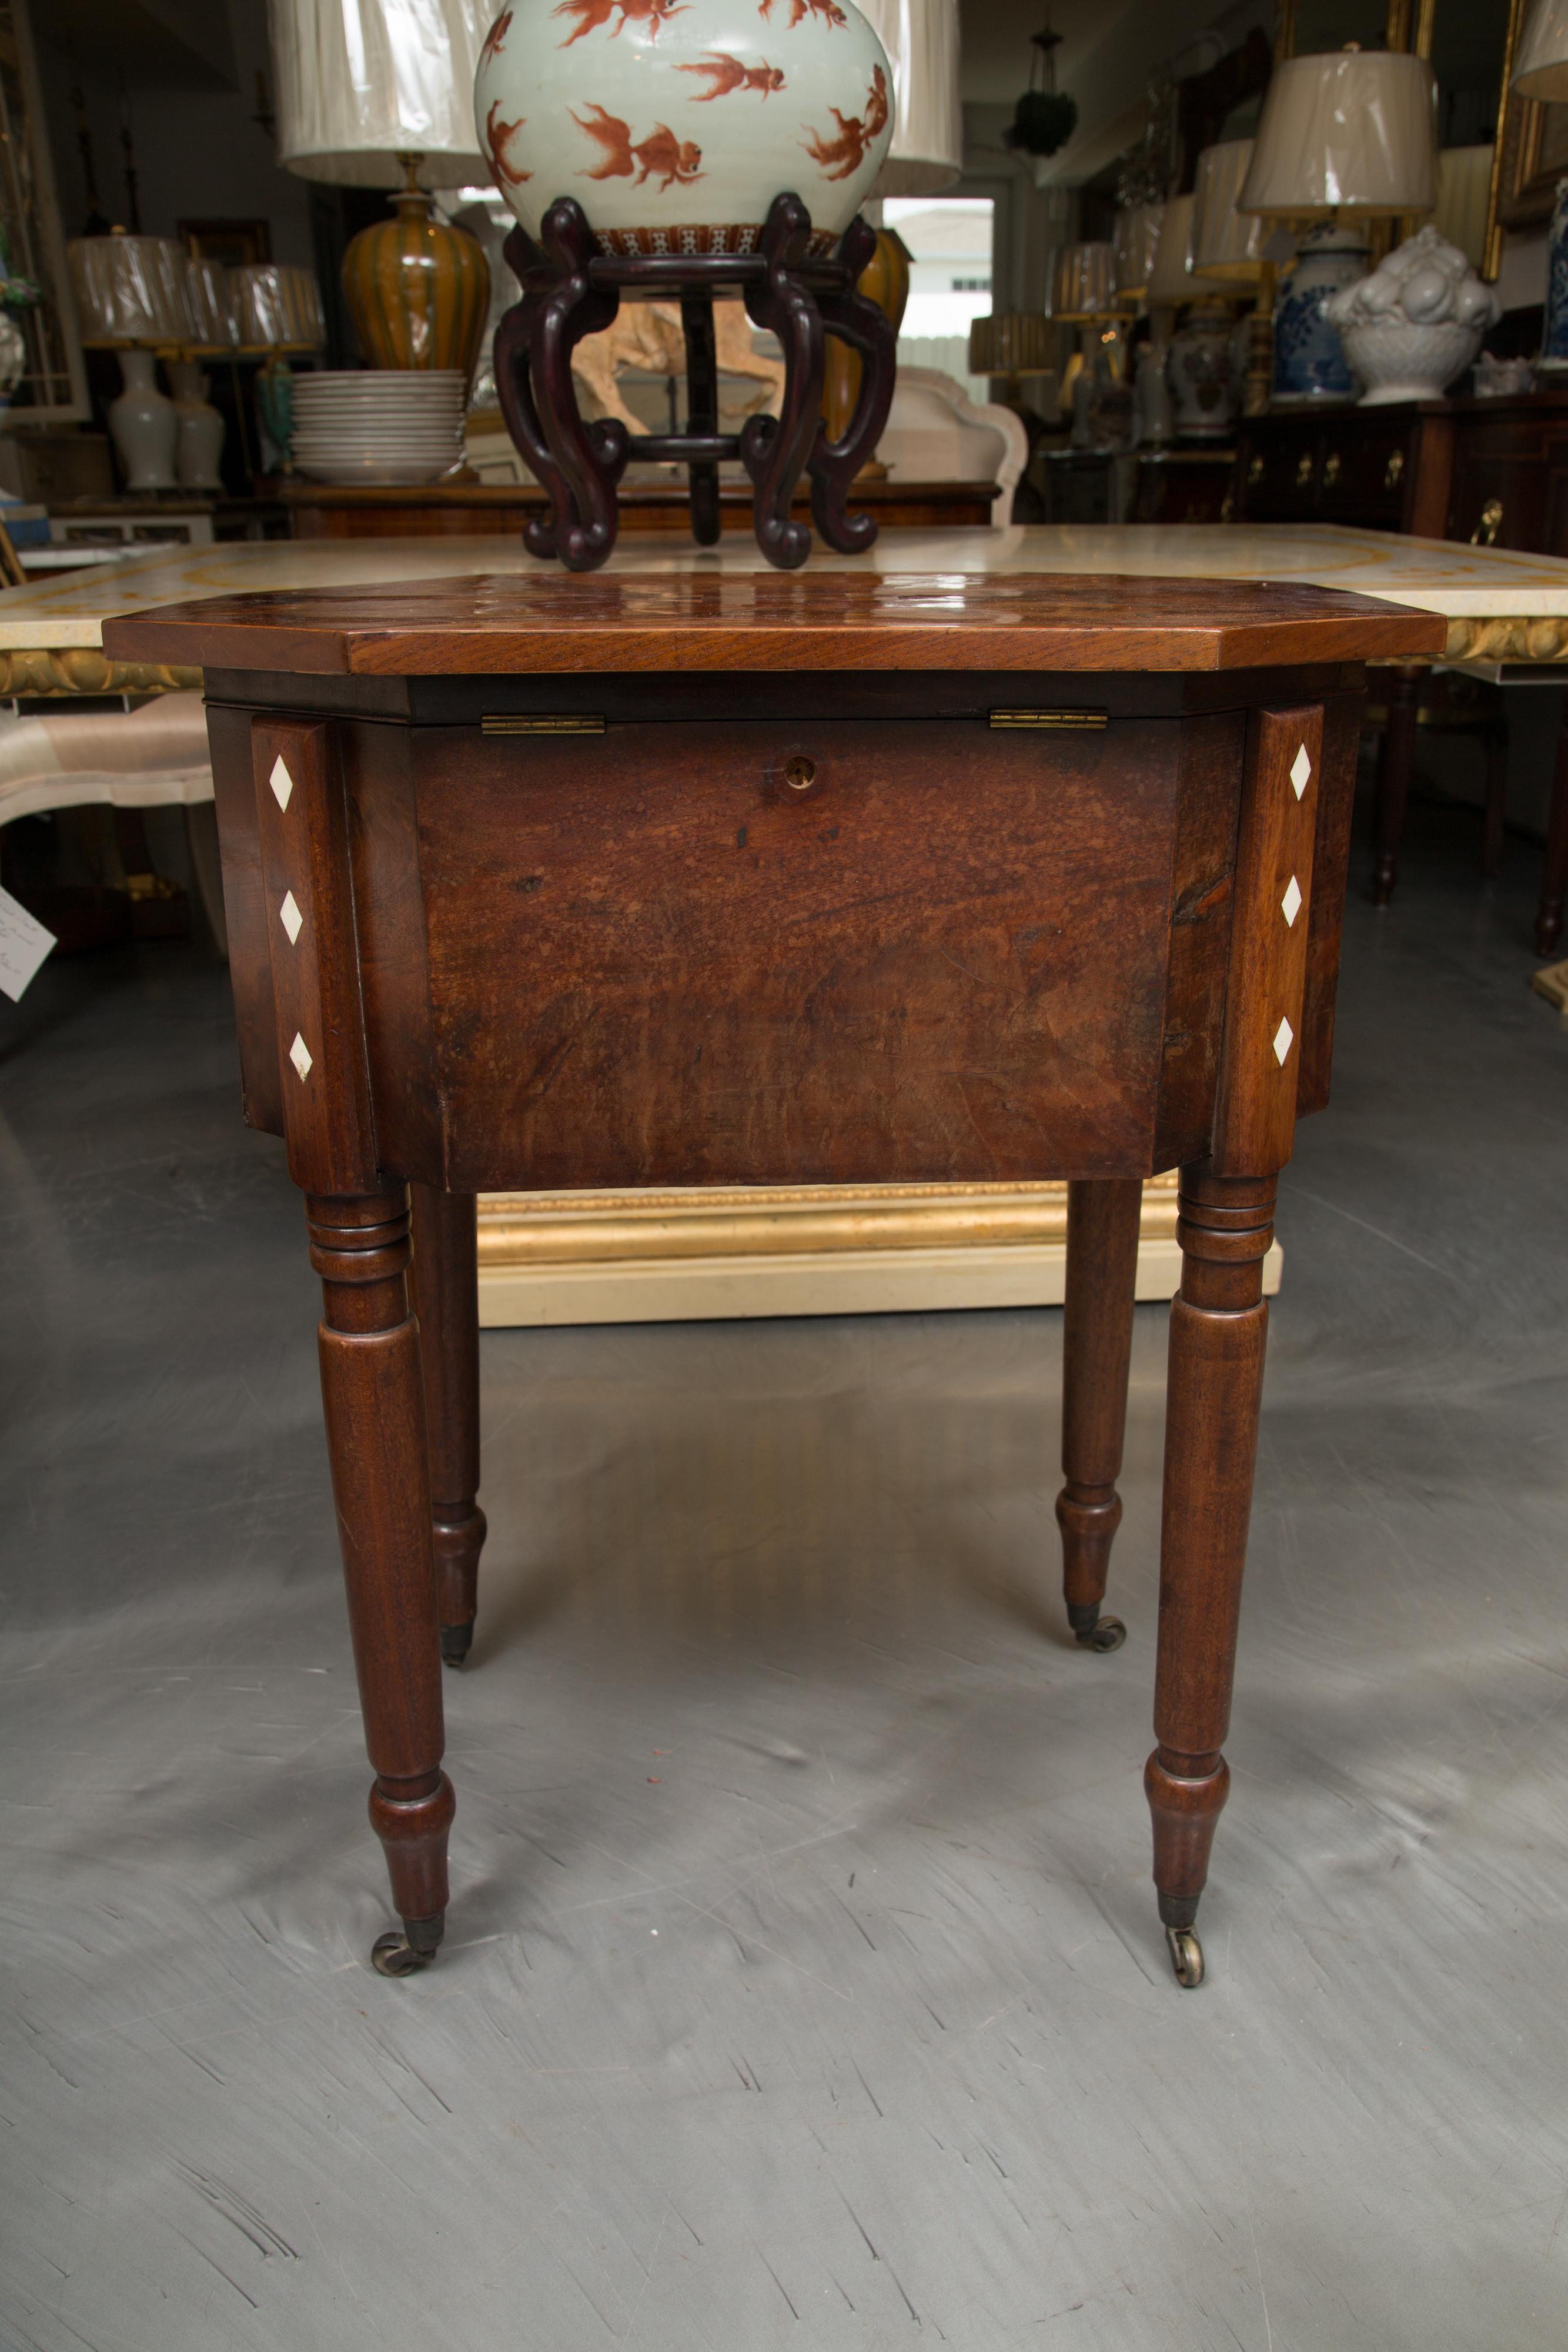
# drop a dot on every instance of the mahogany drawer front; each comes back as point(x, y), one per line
point(731, 953)
point(663, 954)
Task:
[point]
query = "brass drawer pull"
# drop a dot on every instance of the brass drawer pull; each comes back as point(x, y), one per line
point(1303, 469)
point(1255, 471)
point(1394, 469)
point(1331, 469)
point(1486, 530)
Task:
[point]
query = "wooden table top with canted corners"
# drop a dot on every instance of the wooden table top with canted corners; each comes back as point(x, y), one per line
point(496, 624)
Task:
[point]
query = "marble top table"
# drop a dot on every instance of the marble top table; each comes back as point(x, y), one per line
point(1501, 608)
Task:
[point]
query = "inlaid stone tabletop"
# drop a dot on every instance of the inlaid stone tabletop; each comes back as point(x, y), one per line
point(1499, 606)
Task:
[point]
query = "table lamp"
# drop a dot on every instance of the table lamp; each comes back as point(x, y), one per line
point(1226, 245)
point(1136, 238)
point(370, 93)
point(1172, 281)
point(1012, 345)
point(1193, 361)
point(214, 313)
point(132, 298)
point(1083, 285)
point(1349, 133)
point(1082, 292)
point(921, 37)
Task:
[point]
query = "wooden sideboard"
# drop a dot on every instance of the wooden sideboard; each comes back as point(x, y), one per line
point(480, 509)
point(1494, 472)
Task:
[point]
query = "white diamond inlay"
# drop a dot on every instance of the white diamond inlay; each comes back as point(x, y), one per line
point(1284, 1038)
point(1290, 904)
point(293, 921)
point(1301, 771)
point(282, 783)
point(299, 1054)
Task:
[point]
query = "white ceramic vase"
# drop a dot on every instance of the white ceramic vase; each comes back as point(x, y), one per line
point(143, 424)
point(1415, 324)
point(675, 123)
point(198, 429)
point(1201, 370)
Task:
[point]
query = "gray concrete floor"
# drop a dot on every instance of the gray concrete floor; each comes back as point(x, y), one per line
point(803, 1985)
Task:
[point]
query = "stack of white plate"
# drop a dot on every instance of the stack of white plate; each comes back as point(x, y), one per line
point(378, 425)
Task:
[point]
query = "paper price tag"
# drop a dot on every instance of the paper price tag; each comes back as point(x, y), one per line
point(23, 944)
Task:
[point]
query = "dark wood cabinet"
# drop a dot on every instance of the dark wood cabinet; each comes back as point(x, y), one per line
point(1492, 471)
point(1374, 469)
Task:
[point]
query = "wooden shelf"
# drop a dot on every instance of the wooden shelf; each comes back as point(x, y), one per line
point(321, 510)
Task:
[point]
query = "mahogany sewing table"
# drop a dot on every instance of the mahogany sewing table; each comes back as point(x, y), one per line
point(750, 878)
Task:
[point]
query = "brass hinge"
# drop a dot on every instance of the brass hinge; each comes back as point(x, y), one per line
point(1050, 718)
point(555, 722)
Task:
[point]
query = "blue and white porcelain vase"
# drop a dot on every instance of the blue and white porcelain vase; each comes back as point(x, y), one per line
point(1310, 363)
point(1554, 335)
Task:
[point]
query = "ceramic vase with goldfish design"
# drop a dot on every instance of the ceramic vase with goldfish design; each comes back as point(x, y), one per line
point(675, 123)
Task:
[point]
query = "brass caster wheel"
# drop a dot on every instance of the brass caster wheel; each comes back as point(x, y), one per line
point(1186, 1956)
point(1109, 1633)
point(392, 1955)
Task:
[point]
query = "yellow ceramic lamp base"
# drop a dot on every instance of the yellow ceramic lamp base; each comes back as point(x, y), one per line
point(417, 290)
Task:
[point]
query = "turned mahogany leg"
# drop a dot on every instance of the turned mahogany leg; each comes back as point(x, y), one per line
point(1394, 775)
point(1554, 884)
point(446, 1301)
point(1097, 1345)
point(1219, 1322)
point(373, 1398)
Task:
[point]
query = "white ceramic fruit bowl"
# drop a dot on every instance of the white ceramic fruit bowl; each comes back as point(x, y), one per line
point(1397, 360)
point(675, 123)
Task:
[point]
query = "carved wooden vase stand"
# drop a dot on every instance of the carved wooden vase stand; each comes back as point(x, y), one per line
point(571, 289)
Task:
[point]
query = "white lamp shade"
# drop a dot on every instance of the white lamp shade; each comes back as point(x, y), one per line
point(131, 290)
point(1136, 237)
point(1171, 280)
point(1541, 60)
point(1224, 243)
point(921, 37)
point(1351, 130)
point(360, 82)
point(1083, 283)
point(279, 304)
